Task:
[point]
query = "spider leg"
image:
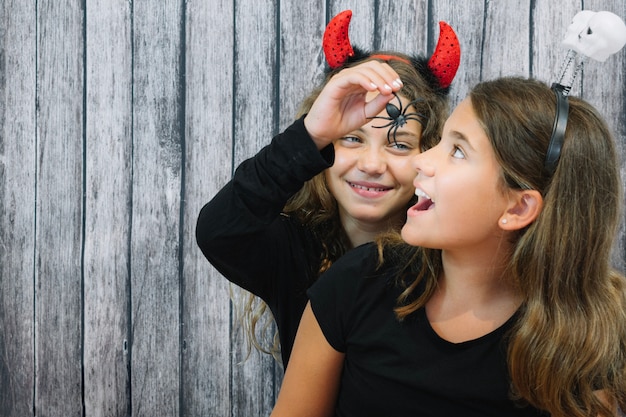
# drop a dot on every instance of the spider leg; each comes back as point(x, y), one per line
point(388, 124)
point(393, 129)
point(420, 118)
point(379, 117)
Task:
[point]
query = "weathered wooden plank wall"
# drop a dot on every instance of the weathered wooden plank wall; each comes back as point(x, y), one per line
point(119, 119)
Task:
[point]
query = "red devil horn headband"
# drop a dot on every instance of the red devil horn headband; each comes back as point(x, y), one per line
point(443, 63)
point(336, 44)
point(447, 56)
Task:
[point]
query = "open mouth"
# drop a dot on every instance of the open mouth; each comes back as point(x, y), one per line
point(424, 202)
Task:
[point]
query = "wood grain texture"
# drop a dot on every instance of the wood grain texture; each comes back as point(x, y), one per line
point(505, 46)
point(17, 206)
point(108, 180)
point(206, 353)
point(158, 141)
point(301, 61)
point(59, 209)
point(403, 27)
point(120, 119)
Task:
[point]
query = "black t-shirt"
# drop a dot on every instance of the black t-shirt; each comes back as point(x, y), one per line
point(395, 368)
point(244, 235)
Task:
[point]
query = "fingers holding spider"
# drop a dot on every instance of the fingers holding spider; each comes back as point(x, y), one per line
point(348, 98)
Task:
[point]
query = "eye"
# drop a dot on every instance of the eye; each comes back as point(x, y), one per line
point(458, 153)
point(350, 141)
point(400, 146)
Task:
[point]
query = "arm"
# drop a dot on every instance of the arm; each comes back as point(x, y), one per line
point(312, 378)
point(240, 230)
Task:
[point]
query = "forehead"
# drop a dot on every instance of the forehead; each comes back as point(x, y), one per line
point(463, 117)
point(464, 123)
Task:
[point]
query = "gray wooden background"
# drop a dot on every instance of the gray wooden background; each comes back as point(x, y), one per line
point(119, 119)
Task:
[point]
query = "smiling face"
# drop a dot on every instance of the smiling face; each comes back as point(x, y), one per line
point(460, 188)
point(371, 178)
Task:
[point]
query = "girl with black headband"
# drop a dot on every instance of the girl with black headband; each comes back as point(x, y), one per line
point(298, 205)
point(498, 298)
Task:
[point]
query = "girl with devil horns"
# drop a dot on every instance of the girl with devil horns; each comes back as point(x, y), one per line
point(319, 189)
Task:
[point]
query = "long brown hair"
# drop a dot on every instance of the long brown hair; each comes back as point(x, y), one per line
point(570, 339)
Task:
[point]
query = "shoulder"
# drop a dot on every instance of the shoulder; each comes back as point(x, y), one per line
point(350, 276)
point(340, 293)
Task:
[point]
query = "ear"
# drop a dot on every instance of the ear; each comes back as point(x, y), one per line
point(523, 209)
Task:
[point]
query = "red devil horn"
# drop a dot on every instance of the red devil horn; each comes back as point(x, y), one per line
point(447, 56)
point(336, 44)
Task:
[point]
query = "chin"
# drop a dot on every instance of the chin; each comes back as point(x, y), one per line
point(366, 215)
point(408, 235)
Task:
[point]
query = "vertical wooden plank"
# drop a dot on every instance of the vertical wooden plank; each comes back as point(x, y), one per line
point(550, 22)
point(155, 231)
point(255, 121)
point(505, 49)
point(206, 366)
point(107, 207)
point(402, 26)
point(17, 205)
point(301, 61)
point(59, 211)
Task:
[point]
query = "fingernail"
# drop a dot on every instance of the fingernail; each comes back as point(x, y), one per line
point(397, 83)
point(386, 87)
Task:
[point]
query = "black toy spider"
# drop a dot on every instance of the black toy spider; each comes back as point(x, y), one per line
point(398, 117)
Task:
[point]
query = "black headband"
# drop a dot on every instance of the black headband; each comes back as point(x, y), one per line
point(558, 129)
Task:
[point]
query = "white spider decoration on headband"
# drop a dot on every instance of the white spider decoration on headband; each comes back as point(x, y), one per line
point(595, 35)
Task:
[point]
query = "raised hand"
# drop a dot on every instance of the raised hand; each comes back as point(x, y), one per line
point(349, 98)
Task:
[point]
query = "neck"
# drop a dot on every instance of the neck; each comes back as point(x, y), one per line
point(478, 281)
point(360, 232)
point(473, 297)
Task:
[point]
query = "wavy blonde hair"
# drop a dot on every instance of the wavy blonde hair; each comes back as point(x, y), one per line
point(315, 206)
point(570, 339)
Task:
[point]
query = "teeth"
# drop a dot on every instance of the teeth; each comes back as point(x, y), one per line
point(421, 193)
point(367, 188)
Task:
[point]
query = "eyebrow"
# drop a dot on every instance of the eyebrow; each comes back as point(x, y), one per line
point(406, 133)
point(460, 136)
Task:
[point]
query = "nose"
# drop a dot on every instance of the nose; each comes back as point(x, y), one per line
point(372, 161)
point(423, 162)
